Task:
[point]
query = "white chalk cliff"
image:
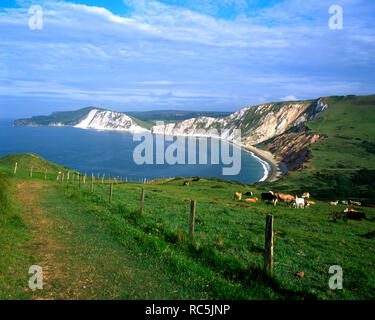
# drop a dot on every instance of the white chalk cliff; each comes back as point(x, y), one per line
point(257, 124)
point(109, 120)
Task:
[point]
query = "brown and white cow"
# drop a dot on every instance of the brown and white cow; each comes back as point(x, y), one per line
point(283, 197)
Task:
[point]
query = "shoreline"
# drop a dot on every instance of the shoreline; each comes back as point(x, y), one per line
point(275, 169)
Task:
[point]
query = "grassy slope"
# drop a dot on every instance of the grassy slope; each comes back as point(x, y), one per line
point(14, 237)
point(343, 165)
point(225, 262)
point(28, 161)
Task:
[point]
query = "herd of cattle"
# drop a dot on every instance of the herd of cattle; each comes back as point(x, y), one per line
point(297, 202)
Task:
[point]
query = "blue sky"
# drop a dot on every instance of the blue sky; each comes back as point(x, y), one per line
point(132, 55)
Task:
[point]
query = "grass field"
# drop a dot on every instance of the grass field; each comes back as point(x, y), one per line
point(225, 261)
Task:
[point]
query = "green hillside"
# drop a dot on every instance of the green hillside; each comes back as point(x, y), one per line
point(343, 165)
point(26, 161)
point(68, 118)
point(94, 249)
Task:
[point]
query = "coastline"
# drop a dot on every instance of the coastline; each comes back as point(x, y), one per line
point(275, 169)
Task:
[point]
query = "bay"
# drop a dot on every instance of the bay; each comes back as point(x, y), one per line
point(110, 152)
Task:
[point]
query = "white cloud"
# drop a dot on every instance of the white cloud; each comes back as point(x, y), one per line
point(168, 54)
point(289, 98)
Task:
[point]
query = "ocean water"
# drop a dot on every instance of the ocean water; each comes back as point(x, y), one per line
point(110, 152)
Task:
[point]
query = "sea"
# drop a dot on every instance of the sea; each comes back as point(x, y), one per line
point(111, 153)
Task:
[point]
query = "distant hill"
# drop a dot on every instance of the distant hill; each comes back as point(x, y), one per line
point(66, 118)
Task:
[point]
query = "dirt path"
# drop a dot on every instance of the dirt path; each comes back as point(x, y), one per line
point(79, 259)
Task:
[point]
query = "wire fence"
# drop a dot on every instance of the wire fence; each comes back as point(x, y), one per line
point(204, 205)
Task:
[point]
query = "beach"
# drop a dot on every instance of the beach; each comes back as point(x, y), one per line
point(274, 169)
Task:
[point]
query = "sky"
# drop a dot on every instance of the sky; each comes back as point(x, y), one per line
point(139, 55)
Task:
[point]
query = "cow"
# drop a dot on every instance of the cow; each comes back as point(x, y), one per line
point(195, 179)
point(306, 195)
point(254, 200)
point(335, 203)
point(354, 215)
point(268, 196)
point(356, 203)
point(283, 197)
point(344, 202)
point(238, 196)
point(299, 202)
point(249, 193)
point(186, 183)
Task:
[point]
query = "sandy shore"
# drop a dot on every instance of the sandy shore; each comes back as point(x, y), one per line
point(276, 169)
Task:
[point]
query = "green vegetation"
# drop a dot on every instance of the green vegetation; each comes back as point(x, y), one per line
point(14, 236)
point(27, 161)
point(225, 261)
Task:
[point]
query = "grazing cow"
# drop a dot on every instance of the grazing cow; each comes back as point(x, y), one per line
point(344, 202)
point(268, 196)
point(196, 179)
point(335, 203)
point(186, 183)
point(354, 215)
point(356, 203)
point(306, 195)
point(254, 200)
point(249, 193)
point(238, 196)
point(283, 197)
point(299, 202)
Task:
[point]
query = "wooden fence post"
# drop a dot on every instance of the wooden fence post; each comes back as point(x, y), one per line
point(84, 179)
point(68, 177)
point(193, 205)
point(103, 178)
point(92, 183)
point(268, 246)
point(142, 200)
point(110, 192)
point(63, 176)
point(15, 168)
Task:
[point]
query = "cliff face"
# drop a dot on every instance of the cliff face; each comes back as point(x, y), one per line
point(109, 120)
point(88, 118)
point(293, 148)
point(257, 124)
